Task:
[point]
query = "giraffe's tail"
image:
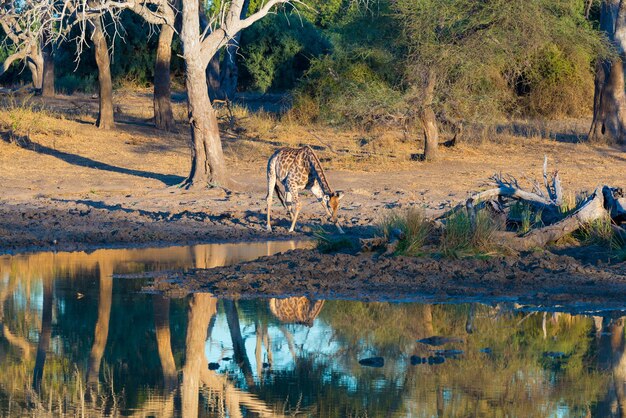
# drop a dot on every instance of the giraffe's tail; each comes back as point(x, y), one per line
point(271, 178)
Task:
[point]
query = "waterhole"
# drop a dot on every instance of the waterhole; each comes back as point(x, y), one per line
point(76, 340)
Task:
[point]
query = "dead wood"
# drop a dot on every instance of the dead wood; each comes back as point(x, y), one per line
point(615, 203)
point(590, 211)
point(390, 244)
point(372, 244)
point(395, 236)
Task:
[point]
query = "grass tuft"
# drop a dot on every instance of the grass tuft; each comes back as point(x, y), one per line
point(527, 216)
point(600, 232)
point(459, 239)
point(414, 229)
point(330, 243)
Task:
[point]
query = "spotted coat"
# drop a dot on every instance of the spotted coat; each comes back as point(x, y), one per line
point(298, 169)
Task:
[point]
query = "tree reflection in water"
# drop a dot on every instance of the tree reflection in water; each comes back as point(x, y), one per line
point(76, 340)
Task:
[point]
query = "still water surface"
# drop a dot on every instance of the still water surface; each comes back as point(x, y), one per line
point(76, 341)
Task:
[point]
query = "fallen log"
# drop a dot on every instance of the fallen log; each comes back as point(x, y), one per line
point(502, 191)
point(590, 211)
point(395, 236)
point(390, 243)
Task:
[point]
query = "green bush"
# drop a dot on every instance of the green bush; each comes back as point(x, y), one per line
point(69, 83)
point(494, 59)
point(347, 91)
point(276, 51)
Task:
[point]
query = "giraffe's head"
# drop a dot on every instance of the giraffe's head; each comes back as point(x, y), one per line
point(332, 204)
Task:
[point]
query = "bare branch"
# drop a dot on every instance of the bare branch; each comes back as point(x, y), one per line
point(18, 56)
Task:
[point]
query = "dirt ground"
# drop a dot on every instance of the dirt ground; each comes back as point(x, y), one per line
point(68, 185)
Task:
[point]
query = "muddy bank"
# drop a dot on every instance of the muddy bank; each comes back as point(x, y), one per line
point(72, 226)
point(533, 278)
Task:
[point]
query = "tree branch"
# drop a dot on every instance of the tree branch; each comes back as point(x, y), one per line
point(11, 59)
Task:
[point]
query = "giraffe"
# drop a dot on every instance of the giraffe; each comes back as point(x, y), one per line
point(298, 169)
point(297, 310)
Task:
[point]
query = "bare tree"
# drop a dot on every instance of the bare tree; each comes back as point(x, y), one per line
point(23, 27)
point(208, 166)
point(609, 107)
point(105, 84)
point(89, 16)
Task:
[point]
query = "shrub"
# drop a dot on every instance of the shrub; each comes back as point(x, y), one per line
point(494, 59)
point(527, 216)
point(69, 83)
point(348, 92)
point(276, 51)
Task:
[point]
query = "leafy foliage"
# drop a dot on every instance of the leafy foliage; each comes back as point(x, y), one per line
point(276, 51)
point(502, 58)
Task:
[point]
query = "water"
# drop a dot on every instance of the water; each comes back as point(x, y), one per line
point(75, 341)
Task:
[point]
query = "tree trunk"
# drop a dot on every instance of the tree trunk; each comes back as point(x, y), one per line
point(229, 69)
point(101, 332)
point(202, 307)
point(44, 335)
point(214, 81)
point(239, 347)
point(610, 354)
point(431, 133)
point(429, 121)
point(35, 64)
point(163, 115)
point(105, 110)
point(208, 166)
point(47, 89)
point(609, 113)
point(161, 307)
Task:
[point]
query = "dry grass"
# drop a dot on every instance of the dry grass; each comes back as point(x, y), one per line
point(23, 117)
point(251, 137)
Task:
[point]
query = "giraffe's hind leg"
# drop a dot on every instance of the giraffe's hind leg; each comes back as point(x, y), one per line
point(271, 184)
point(296, 213)
point(288, 198)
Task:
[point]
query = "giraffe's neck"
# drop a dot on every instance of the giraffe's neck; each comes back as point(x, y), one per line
point(316, 166)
